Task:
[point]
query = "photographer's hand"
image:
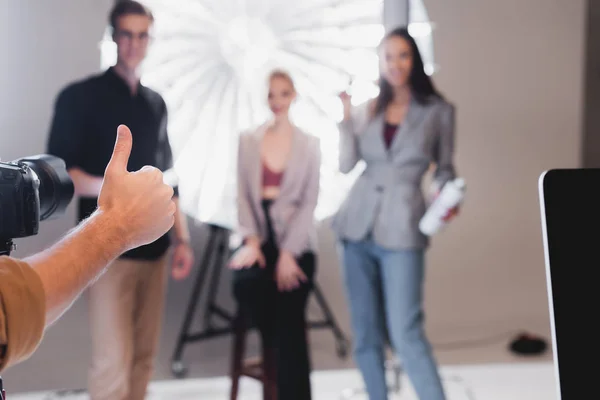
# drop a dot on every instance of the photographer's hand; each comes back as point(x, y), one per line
point(133, 209)
point(140, 203)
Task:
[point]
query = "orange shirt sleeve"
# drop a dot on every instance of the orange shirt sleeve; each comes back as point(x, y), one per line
point(22, 311)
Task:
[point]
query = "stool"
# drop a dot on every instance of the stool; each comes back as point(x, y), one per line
point(259, 368)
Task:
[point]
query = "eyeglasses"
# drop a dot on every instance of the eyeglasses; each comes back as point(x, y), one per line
point(130, 36)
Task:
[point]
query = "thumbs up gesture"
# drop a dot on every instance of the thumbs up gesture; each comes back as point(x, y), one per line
point(139, 203)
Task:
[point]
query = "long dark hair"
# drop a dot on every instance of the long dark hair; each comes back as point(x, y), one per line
point(420, 83)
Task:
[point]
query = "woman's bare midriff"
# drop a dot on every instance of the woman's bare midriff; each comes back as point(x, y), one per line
point(270, 192)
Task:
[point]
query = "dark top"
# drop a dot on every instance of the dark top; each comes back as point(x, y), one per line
point(388, 134)
point(84, 129)
point(269, 177)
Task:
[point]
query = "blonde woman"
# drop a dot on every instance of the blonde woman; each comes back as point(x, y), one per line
point(278, 187)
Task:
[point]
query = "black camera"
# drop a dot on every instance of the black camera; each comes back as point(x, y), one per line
point(32, 189)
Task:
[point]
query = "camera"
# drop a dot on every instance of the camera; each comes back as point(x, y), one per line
point(32, 189)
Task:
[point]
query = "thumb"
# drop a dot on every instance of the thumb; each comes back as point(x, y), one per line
point(122, 150)
point(261, 260)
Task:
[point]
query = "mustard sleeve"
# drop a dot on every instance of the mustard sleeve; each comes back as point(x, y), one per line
point(22, 311)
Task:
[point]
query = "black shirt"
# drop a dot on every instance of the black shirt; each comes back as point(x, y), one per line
point(84, 129)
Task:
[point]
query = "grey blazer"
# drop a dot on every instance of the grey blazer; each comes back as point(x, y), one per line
point(292, 213)
point(387, 200)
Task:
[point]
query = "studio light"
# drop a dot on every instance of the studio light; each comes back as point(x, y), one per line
point(210, 61)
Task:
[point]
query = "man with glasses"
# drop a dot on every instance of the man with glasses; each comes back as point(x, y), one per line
point(126, 303)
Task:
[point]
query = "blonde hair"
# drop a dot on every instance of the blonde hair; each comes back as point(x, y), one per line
point(279, 73)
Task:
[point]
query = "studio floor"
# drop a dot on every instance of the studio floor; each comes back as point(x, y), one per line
point(471, 317)
point(523, 381)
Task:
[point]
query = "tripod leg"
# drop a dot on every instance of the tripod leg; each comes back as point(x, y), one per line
point(342, 342)
point(177, 369)
point(221, 246)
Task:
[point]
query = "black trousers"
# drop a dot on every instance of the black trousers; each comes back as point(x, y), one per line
point(279, 316)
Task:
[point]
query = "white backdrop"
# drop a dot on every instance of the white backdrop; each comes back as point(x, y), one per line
point(210, 60)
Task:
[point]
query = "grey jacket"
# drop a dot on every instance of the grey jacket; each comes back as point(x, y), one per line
point(292, 213)
point(387, 200)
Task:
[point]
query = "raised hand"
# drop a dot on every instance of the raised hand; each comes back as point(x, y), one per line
point(139, 203)
point(346, 99)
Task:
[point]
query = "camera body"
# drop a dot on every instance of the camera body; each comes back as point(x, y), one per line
point(32, 189)
point(19, 201)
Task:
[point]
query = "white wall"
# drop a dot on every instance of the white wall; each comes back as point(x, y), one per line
point(515, 71)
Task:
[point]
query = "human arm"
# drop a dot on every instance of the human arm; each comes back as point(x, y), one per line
point(444, 154)
point(88, 249)
point(134, 209)
point(247, 224)
point(86, 185)
point(302, 221)
point(22, 311)
point(180, 227)
point(348, 144)
point(35, 292)
point(250, 252)
point(183, 254)
point(67, 140)
point(445, 169)
point(288, 274)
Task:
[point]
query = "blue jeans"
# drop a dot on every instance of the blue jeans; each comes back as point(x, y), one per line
point(385, 290)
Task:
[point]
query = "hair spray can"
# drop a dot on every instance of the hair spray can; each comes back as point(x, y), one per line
point(451, 196)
